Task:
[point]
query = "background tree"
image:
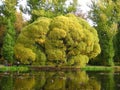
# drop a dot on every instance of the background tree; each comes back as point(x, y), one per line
point(105, 18)
point(8, 43)
point(7, 16)
point(117, 37)
point(9, 10)
point(117, 45)
point(2, 31)
point(48, 8)
point(2, 26)
point(19, 22)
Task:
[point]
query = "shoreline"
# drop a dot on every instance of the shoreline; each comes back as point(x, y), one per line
point(59, 68)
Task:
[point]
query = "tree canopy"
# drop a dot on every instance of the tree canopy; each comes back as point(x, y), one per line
point(63, 40)
point(105, 15)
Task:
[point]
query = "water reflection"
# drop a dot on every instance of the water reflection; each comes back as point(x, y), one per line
point(25, 82)
point(58, 80)
point(6, 82)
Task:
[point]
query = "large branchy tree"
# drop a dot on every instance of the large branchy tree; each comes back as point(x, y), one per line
point(63, 40)
point(105, 16)
point(10, 19)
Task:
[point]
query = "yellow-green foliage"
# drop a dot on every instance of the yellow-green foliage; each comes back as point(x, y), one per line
point(40, 80)
point(79, 60)
point(26, 48)
point(24, 54)
point(93, 83)
point(63, 40)
point(80, 81)
point(55, 83)
point(77, 80)
point(25, 83)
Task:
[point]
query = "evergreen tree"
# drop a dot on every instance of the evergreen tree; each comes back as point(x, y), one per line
point(8, 43)
point(7, 11)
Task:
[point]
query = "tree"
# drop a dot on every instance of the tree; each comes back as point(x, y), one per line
point(2, 30)
point(62, 40)
point(117, 43)
point(117, 37)
point(7, 11)
point(8, 43)
point(19, 22)
point(48, 8)
point(104, 16)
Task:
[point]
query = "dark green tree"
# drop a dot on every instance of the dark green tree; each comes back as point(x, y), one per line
point(7, 11)
point(117, 45)
point(117, 38)
point(105, 17)
point(8, 43)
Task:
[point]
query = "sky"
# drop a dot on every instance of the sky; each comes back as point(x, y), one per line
point(83, 6)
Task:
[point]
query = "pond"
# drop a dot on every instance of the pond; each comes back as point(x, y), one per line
point(60, 80)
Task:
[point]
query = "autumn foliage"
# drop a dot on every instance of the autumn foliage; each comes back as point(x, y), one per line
point(19, 22)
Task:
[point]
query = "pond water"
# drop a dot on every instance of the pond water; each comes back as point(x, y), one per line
point(60, 80)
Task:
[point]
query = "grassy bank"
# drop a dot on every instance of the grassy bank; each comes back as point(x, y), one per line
point(98, 68)
point(64, 68)
point(13, 68)
point(53, 68)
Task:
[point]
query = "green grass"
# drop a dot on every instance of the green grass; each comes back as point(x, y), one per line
point(14, 68)
point(97, 68)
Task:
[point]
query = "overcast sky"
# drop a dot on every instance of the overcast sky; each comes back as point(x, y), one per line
point(83, 5)
point(85, 8)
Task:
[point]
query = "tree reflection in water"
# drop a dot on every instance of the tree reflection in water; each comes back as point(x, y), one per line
point(24, 82)
point(71, 81)
point(6, 82)
point(59, 80)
